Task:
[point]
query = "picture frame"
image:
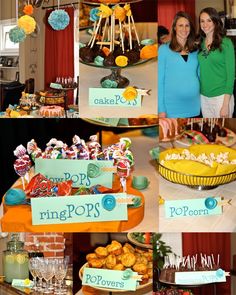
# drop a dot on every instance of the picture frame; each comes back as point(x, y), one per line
point(15, 61)
point(9, 62)
point(2, 60)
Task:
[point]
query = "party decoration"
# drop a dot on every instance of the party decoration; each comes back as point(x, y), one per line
point(15, 196)
point(17, 35)
point(28, 9)
point(108, 202)
point(130, 93)
point(27, 23)
point(59, 19)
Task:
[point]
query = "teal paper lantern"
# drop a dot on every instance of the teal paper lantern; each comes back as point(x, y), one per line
point(59, 19)
point(17, 35)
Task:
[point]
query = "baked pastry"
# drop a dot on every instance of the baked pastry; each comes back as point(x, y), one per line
point(140, 268)
point(119, 266)
point(110, 261)
point(141, 259)
point(128, 259)
point(114, 248)
point(96, 263)
point(101, 252)
point(51, 111)
point(91, 256)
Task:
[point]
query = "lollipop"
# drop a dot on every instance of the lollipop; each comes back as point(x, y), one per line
point(20, 151)
point(33, 150)
point(21, 167)
point(123, 171)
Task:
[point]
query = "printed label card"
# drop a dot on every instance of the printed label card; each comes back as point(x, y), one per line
point(82, 172)
point(74, 209)
point(200, 277)
point(110, 279)
point(194, 207)
point(116, 97)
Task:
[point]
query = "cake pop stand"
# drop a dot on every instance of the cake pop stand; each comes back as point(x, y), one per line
point(115, 75)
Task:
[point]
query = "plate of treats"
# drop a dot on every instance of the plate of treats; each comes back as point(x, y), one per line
point(206, 131)
point(116, 256)
point(143, 240)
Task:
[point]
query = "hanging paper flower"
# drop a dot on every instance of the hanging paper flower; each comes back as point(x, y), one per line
point(27, 23)
point(28, 9)
point(59, 19)
point(94, 14)
point(17, 35)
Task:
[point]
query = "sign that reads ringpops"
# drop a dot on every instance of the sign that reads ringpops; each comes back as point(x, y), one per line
point(110, 279)
point(85, 173)
point(74, 209)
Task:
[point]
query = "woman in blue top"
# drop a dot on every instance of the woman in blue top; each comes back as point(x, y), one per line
point(178, 82)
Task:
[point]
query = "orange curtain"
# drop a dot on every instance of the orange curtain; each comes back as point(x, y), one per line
point(59, 52)
point(210, 243)
point(168, 8)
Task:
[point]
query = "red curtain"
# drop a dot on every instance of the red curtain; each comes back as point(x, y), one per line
point(210, 243)
point(59, 52)
point(168, 8)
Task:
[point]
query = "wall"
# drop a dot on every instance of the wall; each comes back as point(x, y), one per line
point(7, 9)
point(51, 244)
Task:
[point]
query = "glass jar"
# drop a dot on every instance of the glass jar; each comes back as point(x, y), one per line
point(15, 260)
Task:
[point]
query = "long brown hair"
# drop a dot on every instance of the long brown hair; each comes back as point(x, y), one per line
point(219, 31)
point(190, 43)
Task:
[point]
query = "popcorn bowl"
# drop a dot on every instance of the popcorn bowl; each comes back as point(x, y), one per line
point(187, 167)
point(196, 181)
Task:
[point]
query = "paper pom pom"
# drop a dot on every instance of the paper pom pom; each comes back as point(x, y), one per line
point(59, 19)
point(27, 23)
point(28, 9)
point(17, 35)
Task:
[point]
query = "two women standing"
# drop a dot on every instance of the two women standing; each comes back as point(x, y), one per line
point(188, 68)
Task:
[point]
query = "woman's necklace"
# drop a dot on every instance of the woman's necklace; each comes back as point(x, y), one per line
point(206, 50)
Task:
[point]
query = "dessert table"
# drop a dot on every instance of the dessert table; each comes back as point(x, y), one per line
point(140, 144)
point(215, 223)
point(142, 76)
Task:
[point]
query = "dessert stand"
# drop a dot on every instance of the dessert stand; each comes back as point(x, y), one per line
point(115, 76)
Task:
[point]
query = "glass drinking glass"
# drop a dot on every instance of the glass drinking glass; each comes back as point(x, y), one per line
point(60, 273)
point(48, 273)
point(33, 266)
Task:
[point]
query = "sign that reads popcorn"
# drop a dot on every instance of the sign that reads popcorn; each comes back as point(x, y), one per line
point(193, 208)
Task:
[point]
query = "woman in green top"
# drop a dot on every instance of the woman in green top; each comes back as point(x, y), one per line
point(217, 66)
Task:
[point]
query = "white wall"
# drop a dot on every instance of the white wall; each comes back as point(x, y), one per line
point(174, 240)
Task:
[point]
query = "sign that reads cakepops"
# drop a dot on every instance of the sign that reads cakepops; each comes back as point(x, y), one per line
point(112, 97)
point(112, 279)
point(74, 209)
point(193, 207)
point(85, 173)
point(200, 277)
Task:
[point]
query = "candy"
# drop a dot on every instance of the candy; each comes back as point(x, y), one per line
point(20, 151)
point(40, 186)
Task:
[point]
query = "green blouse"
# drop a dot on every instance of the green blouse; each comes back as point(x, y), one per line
point(217, 69)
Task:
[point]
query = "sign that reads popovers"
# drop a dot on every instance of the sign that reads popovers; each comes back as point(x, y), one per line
point(111, 279)
point(74, 209)
point(112, 97)
point(82, 172)
point(191, 208)
point(200, 277)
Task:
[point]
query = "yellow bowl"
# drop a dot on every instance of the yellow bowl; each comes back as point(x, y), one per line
point(195, 174)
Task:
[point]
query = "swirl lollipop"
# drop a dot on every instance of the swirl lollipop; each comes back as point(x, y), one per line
point(123, 171)
point(22, 167)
